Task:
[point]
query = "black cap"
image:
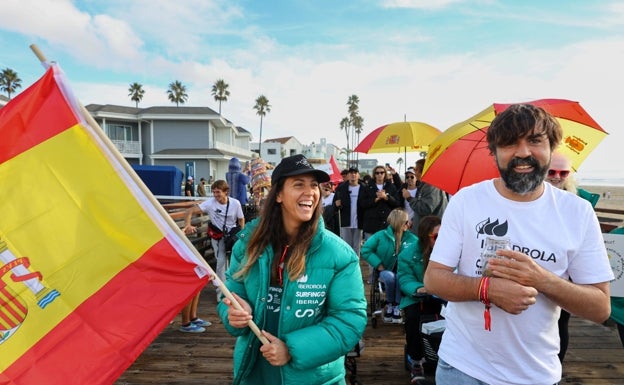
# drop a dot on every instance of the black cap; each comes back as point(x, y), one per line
point(410, 171)
point(297, 165)
point(353, 169)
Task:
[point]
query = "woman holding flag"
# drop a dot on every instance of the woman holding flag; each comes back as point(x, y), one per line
point(300, 284)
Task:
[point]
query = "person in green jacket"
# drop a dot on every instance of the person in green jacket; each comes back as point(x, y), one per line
point(415, 302)
point(381, 251)
point(301, 284)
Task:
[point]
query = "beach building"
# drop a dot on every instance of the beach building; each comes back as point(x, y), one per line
point(197, 140)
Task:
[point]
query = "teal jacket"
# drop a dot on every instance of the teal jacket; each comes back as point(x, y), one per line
point(411, 272)
point(379, 248)
point(322, 317)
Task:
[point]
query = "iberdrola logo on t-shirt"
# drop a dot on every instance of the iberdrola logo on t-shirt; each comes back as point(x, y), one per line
point(489, 227)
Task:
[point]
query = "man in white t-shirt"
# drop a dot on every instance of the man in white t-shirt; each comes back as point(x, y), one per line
point(555, 237)
point(408, 192)
point(347, 201)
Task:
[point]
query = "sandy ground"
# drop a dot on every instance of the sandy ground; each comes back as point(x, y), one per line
point(611, 197)
point(613, 201)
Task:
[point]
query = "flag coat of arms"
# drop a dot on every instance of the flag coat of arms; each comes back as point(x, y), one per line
point(91, 268)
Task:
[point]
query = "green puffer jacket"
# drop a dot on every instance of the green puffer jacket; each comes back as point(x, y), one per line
point(411, 272)
point(379, 248)
point(323, 313)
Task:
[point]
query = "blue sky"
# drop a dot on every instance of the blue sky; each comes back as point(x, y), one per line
point(434, 61)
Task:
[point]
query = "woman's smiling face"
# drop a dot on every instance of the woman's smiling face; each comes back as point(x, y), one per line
point(299, 198)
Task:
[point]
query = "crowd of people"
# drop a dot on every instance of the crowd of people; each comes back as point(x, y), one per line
point(295, 269)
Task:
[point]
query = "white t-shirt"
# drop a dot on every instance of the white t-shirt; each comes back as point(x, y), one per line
point(560, 231)
point(216, 212)
point(329, 200)
point(408, 208)
point(354, 191)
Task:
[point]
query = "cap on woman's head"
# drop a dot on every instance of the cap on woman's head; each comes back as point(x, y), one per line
point(296, 165)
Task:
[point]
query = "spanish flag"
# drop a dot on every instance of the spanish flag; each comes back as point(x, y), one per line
point(91, 269)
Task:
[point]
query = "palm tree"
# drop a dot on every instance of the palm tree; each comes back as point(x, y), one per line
point(262, 107)
point(9, 81)
point(399, 162)
point(356, 122)
point(136, 93)
point(177, 93)
point(346, 126)
point(220, 92)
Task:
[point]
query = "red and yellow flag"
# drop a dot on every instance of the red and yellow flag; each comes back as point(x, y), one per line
point(91, 270)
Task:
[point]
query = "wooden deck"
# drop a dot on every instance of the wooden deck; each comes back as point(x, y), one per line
point(595, 355)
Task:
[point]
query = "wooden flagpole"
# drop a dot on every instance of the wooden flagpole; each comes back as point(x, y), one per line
point(122, 161)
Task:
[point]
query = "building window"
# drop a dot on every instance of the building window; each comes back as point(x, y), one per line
point(122, 132)
point(271, 151)
point(293, 152)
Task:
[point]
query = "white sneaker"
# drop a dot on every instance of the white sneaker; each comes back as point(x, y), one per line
point(396, 316)
point(388, 313)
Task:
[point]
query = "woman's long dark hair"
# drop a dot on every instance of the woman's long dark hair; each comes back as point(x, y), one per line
point(270, 231)
point(425, 227)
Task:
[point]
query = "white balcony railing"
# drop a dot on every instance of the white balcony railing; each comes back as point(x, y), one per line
point(128, 147)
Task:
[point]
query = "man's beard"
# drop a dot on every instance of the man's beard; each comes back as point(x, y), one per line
point(523, 183)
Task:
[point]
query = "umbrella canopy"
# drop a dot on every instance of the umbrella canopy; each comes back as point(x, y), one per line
point(398, 137)
point(460, 156)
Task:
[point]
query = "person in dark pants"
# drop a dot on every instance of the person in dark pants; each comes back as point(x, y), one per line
point(415, 301)
point(347, 202)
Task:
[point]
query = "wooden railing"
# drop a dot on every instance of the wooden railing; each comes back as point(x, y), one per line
point(609, 218)
point(201, 241)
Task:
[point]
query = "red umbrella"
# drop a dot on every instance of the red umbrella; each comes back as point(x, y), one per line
point(460, 156)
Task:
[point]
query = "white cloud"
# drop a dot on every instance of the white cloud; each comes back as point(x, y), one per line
point(91, 39)
point(419, 4)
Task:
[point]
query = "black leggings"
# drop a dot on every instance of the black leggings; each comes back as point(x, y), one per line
point(564, 336)
point(414, 315)
point(620, 329)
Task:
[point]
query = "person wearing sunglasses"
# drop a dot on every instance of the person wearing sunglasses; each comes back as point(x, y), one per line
point(379, 198)
point(415, 301)
point(502, 328)
point(559, 174)
point(408, 192)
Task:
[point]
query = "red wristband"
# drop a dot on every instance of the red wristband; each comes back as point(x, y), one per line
point(484, 288)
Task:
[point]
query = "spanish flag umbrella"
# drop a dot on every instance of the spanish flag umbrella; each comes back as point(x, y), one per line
point(398, 137)
point(460, 156)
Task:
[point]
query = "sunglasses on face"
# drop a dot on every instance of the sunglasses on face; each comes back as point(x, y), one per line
point(379, 172)
point(410, 177)
point(562, 173)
